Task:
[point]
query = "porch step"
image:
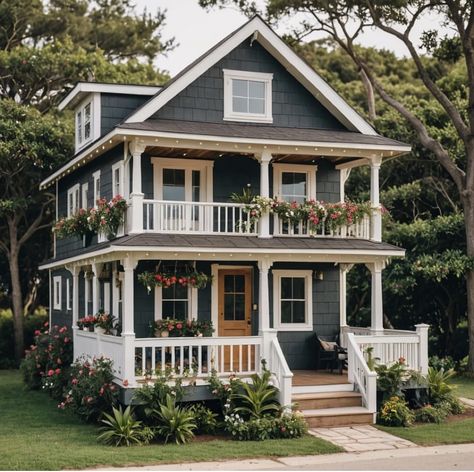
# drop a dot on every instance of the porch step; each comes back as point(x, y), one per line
point(317, 401)
point(344, 416)
point(342, 387)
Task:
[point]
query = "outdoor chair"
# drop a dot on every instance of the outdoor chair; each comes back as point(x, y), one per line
point(331, 354)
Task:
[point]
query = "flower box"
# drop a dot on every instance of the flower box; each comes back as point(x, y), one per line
point(181, 328)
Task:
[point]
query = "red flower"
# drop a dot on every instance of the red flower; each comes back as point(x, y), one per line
point(37, 332)
point(125, 383)
point(179, 326)
point(63, 329)
point(50, 372)
point(46, 324)
point(57, 371)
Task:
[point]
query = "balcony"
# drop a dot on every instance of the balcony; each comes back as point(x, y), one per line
point(208, 218)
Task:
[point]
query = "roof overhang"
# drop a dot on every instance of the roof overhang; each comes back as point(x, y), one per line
point(360, 152)
point(82, 89)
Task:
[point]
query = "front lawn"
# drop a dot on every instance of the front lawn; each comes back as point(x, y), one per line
point(35, 434)
point(454, 431)
point(465, 386)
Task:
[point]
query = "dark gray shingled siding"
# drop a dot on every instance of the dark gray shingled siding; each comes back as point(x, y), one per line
point(61, 317)
point(70, 246)
point(328, 182)
point(115, 107)
point(292, 104)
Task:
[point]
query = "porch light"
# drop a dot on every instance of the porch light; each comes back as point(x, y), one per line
point(318, 275)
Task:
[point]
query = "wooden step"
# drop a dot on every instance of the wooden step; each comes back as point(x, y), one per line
point(343, 387)
point(315, 401)
point(344, 416)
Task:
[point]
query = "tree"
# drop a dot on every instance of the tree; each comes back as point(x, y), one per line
point(346, 20)
point(45, 47)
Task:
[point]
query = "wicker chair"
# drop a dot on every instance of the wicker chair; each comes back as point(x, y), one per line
point(331, 354)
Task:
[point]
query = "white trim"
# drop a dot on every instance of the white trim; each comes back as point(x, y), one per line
point(106, 302)
point(95, 120)
point(308, 287)
point(68, 294)
point(283, 53)
point(230, 114)
point(73, 194)
point(95, 193)
point(91, 87)
point(84, 195)
point(118, 165)
point(191, 299)
point(318, 148)
point(309, 170)
point(188, 165)
point(57, 296)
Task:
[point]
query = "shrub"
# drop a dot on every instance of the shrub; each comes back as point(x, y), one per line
point(222, 390)
point(174, 423)
point(438, 384)
point(431, 414)
point(205, 419)
point(122, 429)
point(290, 425)
point(91, 391)
point(445, 363)
point(46, 363)
point(257, 399)
point(391, 379)
point(395, 412)
point(452, 404)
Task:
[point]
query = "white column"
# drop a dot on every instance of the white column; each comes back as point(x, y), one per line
point(264, 223)
point(96, 268)
point(343, 270)
point(422, 331)
point(128, 315)
point(263, 296)
point(136, 196)
point(376, 221)
point(75, 295)
point(376, 325)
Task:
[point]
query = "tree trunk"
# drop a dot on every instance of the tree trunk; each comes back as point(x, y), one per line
point(369, 92)
point(468, 205)
point(17, 301)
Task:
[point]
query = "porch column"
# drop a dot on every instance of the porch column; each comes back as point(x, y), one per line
point(263, 296)
point(136, 195)
point(343, 270)
point(422, 332)
point(376, 324)
point(96, 268)
point(264, 223)
point(376, 220)
point(75, 295)
point(128, 314)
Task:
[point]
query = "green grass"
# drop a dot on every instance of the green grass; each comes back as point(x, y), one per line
point(36, 435)
point(465, 386)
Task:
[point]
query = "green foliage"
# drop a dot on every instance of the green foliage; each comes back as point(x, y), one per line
point(392, 378)
point(256, 399)
point(46, 363)
point(174, 423)
point(445, 363)
point(431, 414)
point(122, 429)
point(90, 390)
point(395, 412)
point(205, 418)
point(438, 384)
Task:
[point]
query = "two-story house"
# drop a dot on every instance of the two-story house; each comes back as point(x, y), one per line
point(249, 114)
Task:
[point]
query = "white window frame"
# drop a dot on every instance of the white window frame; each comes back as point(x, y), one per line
point(309, 170)
point(95, 178)
point(308, 287)
point(117, 166)
point(84, 195)
point(68, 294)
point(94, 101)
point(192, 303)
point(106, 302)
point(57, 298)
point(73, 194)
point(188, 165)
point(229, 114)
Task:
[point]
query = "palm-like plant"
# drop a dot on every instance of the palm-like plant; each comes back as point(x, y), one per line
point(438, 383)
point(175, 423)
point(122, 429)
point(258, 398)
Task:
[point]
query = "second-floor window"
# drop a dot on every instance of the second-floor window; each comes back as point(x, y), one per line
point(294, 183)
point(247, 96)
point(117, 179)
point(96, 183)
point(84, 124)
point(73, 202)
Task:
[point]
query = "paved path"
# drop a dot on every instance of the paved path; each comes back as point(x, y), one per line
point(452, 457)
point(361, 438)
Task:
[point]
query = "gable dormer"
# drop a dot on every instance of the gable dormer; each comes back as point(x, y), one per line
point(99, 107)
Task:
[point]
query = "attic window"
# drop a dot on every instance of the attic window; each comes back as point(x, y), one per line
point(247, 96)
point(88, 120)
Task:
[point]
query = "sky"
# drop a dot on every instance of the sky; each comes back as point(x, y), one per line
point(196, 30)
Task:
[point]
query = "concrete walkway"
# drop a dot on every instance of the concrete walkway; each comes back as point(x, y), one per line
point(452, 457)
point(361, 438)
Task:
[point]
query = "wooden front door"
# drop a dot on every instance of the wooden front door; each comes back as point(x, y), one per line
point(235, 304)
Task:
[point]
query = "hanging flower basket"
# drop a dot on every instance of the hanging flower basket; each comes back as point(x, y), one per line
point(192, 279)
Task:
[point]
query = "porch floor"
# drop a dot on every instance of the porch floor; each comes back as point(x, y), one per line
point(303, 378)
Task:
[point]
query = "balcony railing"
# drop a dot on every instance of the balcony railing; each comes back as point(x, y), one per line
point(198, 218)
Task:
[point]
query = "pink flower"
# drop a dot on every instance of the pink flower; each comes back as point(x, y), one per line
point(125, 383)
point(74, 381)
point(37, 332)
point(57, 371)
point(50, 373)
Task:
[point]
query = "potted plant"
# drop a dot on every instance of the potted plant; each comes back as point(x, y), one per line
point(87, 323)
point(104, 322)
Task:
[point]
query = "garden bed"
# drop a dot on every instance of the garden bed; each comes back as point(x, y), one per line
point(47, 438)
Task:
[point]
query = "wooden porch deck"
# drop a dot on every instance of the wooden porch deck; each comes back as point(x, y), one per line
point(302, 378)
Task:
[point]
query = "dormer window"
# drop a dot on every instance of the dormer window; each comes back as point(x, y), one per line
point(88, 120)
point(247, 96)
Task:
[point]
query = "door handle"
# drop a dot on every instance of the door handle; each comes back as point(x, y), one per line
point(249, 322)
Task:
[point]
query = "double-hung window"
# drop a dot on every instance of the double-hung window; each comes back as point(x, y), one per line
point(292, 300)
point(73, 202)
point(57, 292)
point(84, 124)
point(247, 96)
point(96, 183)
point(294, 182)
point(117, 179)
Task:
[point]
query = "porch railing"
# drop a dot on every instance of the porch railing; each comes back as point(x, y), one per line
point(198, 218)
point(360, 375)
point(199, 356)
point(359, 230)
point(281, 371)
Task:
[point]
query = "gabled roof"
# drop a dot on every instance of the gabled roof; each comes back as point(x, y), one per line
point(83, 88)
point(295, 65)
